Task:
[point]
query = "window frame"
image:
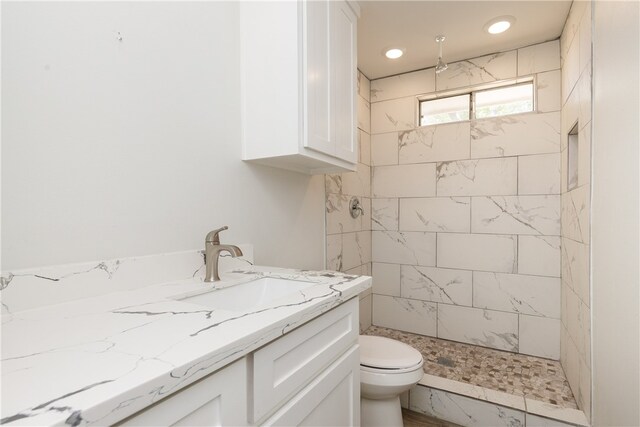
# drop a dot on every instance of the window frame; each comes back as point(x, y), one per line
point(471, 91)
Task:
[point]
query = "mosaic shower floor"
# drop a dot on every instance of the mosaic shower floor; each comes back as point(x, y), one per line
point(517, 374)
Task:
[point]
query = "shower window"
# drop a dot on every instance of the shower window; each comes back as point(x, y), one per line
point(497, 101)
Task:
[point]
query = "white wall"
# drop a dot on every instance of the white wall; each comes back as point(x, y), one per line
point(615, 254)
point(119, 148)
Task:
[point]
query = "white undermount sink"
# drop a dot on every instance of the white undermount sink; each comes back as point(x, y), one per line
point(250, 295)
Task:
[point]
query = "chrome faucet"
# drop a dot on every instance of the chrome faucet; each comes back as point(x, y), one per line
point(212, 249)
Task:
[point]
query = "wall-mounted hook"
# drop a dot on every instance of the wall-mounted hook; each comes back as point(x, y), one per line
point(355, 208)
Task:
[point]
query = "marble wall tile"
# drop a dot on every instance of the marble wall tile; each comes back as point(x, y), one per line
point(413, 248)
point(384, 149)
point(357, 183)
point(549, 91)
point(365, 312)
point(404, 181)
point(451, 214)
point(435, 143)
point(436, 284)
point(539, 174)
point(364, 115)
point(477, 177)
point(570, 114)
point(575, 214)
point(386, 279)
point(584, 88)
point(516, 215)
point(401, 85)
point(482, 252)
point(584, 34)
point(394, 115)
point(356, 249)
point(533, 295)
point(539, 255)
point(571, 27)
point(519, 134)
point(418, 317)
point(540, 336)
point(584, 156)
point(364, 142)
point(384, 214)
point(334, 252)
point(462, 410)
point(485, 69)
point(564, 167)
point(488, 328)
point(575, 267)
point(570, 70)
point(539, 58)
point(365, 202)
point(338, 216)
point(364, 86)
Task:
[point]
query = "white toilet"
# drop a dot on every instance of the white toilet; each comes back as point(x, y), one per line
point(387, 369)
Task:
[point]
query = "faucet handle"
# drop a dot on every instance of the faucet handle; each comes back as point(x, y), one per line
point(212, 236)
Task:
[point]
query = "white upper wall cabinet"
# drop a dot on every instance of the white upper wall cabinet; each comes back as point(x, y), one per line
point(298, 82)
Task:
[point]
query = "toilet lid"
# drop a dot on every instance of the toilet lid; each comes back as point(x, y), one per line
point(385, 353)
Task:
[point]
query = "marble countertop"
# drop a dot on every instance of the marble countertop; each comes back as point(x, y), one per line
point(98, 360)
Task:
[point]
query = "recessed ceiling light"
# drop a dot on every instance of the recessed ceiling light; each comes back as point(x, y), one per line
point(394, 53)
point(499, 25)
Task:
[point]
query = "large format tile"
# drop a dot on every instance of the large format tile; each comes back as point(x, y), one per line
point(404, 181)
point(401, 85)
point(540, 336)
point(516, 215)
point(334, 252)
point(364, 143)
point(483, 252)
point(338, 217)
point(488, 328)
point(384, 214)
point(365, 313)
point(356, 249)
point(462, 410)
point(364, 115)
point(386, 279)
point(539, 255)
point(575, 214)
point(364, 86)
point(538, 58)
point(575, 267)
point(384, 149)
point(549, 91)
point(533, 295)
point(435, 214)
point(518, 134)
point(435, 143)
point(394, 115)
point(485, 69)
point(415, 316)
point(436, 284)
point(477, 177)
point(539, 174)
point(413, 248)
point(356, 183)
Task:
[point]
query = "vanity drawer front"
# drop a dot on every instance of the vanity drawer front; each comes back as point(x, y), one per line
point(283, 367)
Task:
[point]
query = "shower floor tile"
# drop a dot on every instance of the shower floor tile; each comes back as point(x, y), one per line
point(517, 374)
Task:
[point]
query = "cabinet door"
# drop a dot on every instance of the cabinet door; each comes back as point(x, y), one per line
point(331, 399)
point(217, 400)
point(316, 47)
point(343, 80)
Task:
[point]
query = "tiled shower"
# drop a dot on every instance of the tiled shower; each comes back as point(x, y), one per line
point(476, 234)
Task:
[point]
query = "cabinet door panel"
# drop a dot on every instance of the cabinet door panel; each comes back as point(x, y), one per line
point(331, 399)
point(316, 47)
point(217, 400)
point(344, 77)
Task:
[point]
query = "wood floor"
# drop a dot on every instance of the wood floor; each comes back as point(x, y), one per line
point(415, 419)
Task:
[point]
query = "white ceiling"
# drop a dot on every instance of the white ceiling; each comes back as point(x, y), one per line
point(413, 25)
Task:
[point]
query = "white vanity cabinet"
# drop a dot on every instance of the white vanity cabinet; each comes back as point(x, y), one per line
point(309, 376)
point(217, 400)
point(299, 83)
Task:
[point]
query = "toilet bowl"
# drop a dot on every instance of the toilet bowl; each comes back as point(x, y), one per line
point(387, 369)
